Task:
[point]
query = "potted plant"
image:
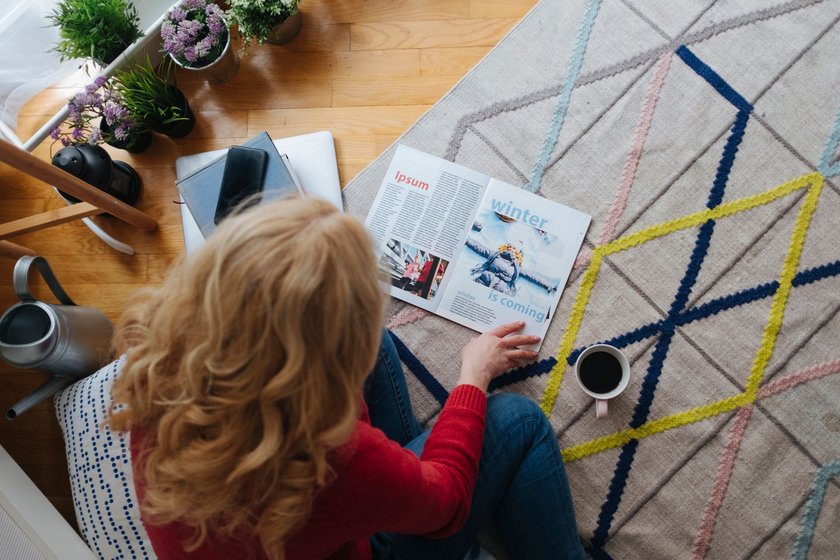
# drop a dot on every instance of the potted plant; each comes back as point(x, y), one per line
point(273, 21)
point(196, 36)
point(98, 115)
point(95, 29)
point(155, 100)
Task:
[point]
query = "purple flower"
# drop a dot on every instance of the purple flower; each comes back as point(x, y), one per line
point(202, 48)
point(84, 111)
point(177, 14)
point(193, 4)
point(192, 30)
point(97, 83)
point(88, 98)
point(216, 26)
point(167, 30)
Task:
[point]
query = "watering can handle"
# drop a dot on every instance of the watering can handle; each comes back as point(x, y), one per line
point(20, 279)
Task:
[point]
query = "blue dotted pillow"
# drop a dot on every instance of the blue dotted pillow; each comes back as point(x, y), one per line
point(99, 462)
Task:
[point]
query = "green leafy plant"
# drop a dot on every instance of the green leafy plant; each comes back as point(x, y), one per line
point(96, 29)
point(257, 18)
point(151, 98)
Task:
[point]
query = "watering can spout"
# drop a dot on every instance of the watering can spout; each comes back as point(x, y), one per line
point(47, 389)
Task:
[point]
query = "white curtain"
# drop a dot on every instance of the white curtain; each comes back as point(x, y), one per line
point(27, 64)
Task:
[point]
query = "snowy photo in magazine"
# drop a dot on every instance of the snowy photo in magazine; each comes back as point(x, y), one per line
point(505, 255)
point(514, 261)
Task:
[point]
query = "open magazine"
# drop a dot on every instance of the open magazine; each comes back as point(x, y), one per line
point(471, 248)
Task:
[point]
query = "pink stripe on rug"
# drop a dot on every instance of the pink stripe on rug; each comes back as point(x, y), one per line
point(631, 164)
point(727, 460)
point(719, 487)
point(411, 314)
point(406, 316)
point(802, 376)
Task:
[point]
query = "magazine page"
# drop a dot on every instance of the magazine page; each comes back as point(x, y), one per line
point(515, 261)
point(420, 219)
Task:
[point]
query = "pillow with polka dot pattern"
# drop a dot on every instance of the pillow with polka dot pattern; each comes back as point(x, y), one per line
point(99, 462)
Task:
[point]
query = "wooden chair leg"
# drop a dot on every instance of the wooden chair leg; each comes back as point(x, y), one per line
point(26, 162)
point(15, 251)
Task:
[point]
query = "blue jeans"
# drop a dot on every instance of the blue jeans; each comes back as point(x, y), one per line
point(521, 481)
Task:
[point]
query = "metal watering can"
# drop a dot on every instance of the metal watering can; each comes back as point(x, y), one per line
point(69, 341)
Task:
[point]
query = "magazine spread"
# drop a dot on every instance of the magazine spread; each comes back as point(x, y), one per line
point(471, 248)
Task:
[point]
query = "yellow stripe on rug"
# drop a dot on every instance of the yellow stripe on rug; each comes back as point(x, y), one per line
point(653, 232)
point(768, 341)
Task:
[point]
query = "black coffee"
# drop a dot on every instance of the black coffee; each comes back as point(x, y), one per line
point(600, 372)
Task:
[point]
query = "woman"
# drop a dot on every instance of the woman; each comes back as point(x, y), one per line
point(412, 270)
point(257, 430)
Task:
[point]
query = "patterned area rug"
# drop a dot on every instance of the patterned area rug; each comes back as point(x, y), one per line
point(703, 138)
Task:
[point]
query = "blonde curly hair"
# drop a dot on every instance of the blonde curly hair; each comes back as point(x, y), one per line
point(245, 368)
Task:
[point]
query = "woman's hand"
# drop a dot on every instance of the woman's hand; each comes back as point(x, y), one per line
point(493, 353)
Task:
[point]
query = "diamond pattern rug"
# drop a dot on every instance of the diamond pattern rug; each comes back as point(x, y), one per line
point(703, 138)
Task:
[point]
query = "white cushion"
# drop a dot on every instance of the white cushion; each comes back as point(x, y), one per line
point(99, 462)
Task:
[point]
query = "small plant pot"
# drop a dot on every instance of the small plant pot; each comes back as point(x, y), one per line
point(179, 129)
point(110, 57)
point(135, 143)
point(284, 32)
point(221, 70)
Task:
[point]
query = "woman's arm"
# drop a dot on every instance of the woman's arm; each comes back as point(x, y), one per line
point(431, 495)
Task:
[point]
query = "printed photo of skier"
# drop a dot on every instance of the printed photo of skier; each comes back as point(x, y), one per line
point(512, 257)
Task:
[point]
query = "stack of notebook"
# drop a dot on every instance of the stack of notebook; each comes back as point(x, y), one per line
point(304, 163)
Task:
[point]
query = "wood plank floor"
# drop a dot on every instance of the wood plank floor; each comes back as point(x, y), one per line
point(363, 69)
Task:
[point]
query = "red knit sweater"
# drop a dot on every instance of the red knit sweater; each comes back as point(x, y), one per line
point(379, 487)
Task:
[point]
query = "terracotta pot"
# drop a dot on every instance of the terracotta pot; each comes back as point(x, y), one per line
point(287, 30)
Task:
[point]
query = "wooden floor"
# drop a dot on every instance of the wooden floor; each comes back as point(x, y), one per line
point(363, 69)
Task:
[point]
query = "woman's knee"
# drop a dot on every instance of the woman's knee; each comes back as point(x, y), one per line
point(507, 411)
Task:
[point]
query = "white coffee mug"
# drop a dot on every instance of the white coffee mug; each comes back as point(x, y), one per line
point(601, 399)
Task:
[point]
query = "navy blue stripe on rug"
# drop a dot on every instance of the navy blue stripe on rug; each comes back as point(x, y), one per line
point(668, 328)
point(715, 80)
point(626, 339)
point(730, 150)
point(522, 373)
point(416, 367)
point(619, 480)
point(598, 553)
point(651, 381)
point(715, 306)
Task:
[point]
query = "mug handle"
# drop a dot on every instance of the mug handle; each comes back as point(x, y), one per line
point(600, 408)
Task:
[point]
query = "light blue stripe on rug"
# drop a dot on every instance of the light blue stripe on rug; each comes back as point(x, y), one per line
point(825, 167)
point(812, 509)
point(565, 95)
